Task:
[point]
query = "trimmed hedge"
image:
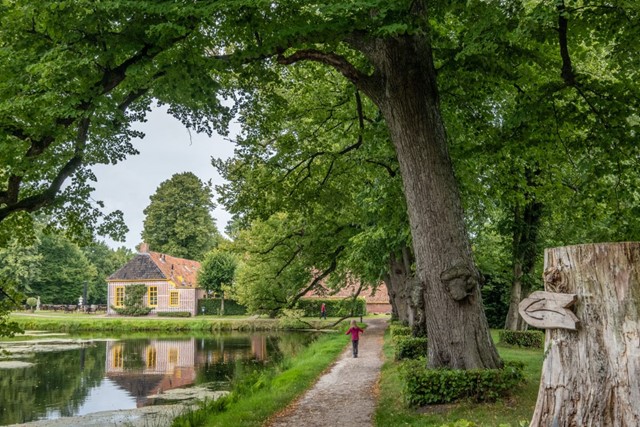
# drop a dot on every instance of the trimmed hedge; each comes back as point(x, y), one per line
point(430, 386)
point(532, 339)
point(408, 347)
point(399, 331)
point(335, 307)
point(173, 314)
point(212, 306)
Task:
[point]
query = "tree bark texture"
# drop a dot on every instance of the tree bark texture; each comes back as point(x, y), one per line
point(406, 294)
point(591, 377)
point(408, 98)
point(526, 222)
point(399, 294)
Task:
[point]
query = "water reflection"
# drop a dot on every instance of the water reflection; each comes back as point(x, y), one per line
point(129, 373)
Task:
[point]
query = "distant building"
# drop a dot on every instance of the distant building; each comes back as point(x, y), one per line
point(377, 300)
point(170, 281)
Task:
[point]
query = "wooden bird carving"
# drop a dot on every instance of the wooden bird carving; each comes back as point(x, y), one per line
point(549, 310)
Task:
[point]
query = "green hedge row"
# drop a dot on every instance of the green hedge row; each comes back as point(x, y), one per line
point(173, 314)
point(335, 307)
point(429, 386)
point(534, 339)
point(212, 306)
point(397, 330)
point(408, 347)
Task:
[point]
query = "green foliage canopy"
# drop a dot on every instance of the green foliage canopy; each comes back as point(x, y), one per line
point(76, 76)
point(178, 220)
point(217, 271)
point(63, 271)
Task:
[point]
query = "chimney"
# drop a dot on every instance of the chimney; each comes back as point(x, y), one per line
point(143, 248)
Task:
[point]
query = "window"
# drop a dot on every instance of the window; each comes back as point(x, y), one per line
point(153, 296)
point(117, 359)
point(174, 298)
point(119, 302)
point(152, 357)
point(173, 356)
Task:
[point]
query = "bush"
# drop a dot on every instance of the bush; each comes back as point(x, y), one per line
point(32, 302)
point(335, 307)
point(397, 330)
point(429, 386)
point(134, 301)
point(408, 347)
point(212, 306)
point(173, 314)
point(533, 339)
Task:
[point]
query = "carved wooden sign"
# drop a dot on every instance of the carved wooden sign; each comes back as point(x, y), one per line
point(549, 310)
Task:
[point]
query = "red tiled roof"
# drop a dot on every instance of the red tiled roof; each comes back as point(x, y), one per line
point(183, 272)
point(157, 266)
point(378, 296)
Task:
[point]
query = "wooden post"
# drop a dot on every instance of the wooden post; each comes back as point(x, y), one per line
point(591, 376)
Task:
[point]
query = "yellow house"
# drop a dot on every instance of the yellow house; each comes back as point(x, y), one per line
point(170, 281)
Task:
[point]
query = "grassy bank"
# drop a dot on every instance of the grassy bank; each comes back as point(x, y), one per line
point(513, 411)
point(79, 322)
point(256, 399)
point(59, 322)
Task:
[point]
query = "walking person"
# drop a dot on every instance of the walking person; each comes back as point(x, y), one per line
point(323, 312)
point(355, 332)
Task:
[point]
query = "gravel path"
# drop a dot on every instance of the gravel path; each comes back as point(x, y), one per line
point(347, 394)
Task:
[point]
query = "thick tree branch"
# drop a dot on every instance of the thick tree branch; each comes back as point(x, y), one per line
point(567, 72)
point(332, 267)
point(392, 173)
point(37, 201)
point(281, 241)
point(339, 62)
point(289, 261)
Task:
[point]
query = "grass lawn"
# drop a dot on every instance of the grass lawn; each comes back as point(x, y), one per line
point(513, 411)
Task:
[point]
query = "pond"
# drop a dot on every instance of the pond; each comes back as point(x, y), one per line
point(127, 372)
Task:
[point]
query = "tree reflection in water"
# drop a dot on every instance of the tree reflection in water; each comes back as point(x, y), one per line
point(124, 373)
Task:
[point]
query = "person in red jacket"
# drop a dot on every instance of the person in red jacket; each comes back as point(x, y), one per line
point(355, 332)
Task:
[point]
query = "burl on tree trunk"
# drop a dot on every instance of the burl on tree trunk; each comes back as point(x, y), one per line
point(591, 376)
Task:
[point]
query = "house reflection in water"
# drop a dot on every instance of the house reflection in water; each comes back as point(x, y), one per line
point(150, 367)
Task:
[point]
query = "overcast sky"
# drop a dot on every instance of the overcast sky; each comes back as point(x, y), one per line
point(167, 149)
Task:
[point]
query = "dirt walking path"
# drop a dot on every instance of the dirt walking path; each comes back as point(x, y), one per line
point(346, 395)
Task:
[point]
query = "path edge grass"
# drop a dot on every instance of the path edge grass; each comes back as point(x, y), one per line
point(257, 404)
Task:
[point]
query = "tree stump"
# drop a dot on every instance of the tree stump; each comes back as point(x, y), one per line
point(590, 377)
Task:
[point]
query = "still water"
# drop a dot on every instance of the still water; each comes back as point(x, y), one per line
point(125, 373)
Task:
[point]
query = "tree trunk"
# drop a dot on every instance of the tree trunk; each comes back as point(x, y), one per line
point(524, 250)
point(591, 377)
point(399, 283)
point(408, 98)
point(514, 321)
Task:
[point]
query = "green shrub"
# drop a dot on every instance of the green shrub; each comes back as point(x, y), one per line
point(173, 314)
point(212, 306)
point(397, 330)
point(408, 347)
point(335, 307)
point(429, 386)
point(134, 301)
point(533, 339)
